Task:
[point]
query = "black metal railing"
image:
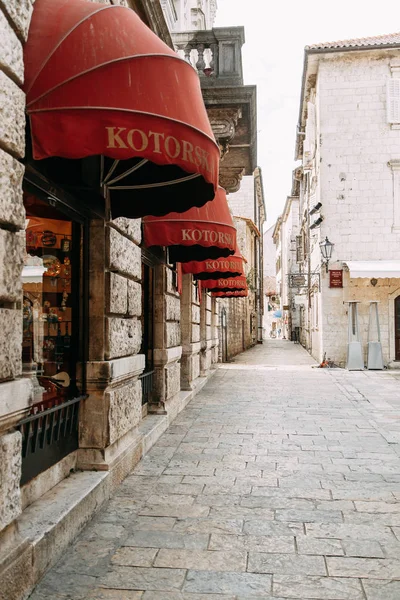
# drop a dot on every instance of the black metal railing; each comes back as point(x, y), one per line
point(147, 379)
point(48, 436)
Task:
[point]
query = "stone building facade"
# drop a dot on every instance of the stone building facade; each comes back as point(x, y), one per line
point(285, 237)
point(242, 323)
point(348, 142)
point(271, 290)
point(143, 346)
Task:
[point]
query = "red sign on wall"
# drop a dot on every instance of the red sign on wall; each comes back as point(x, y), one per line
point(335, 278)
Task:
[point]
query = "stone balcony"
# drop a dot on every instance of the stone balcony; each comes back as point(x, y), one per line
point(231, 105)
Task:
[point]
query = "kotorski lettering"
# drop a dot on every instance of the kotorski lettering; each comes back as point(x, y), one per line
point(232, 283)
point(205, 235)
point(218, 265)
point(156, 143)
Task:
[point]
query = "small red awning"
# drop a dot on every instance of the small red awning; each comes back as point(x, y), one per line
point(225, 285)
point(233, 266)
point(237, 294)
point(99, 82)
point(197, 234)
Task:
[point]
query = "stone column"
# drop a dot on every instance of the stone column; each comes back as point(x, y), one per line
point(113, 409)
point(15, 393)
point(167, 334)
point(214, 331)
point(205, 333)
point(191, 345)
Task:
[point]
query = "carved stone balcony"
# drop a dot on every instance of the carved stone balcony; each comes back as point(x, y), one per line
point(231, 106)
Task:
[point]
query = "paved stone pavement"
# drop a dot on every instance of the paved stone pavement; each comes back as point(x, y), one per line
point(279, 481)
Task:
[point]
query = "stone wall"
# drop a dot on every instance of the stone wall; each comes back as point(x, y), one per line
point(356, 151)
point(334, 321)
point(206, 333)
point(241, 203)
point(15, 394)
point(168, 349)
point(357, 147)
point(190, 326)
point(113, 408)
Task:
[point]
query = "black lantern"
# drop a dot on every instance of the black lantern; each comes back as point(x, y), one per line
point(326, 248)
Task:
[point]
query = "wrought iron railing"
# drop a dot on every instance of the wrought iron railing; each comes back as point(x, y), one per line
point(147, 380)
point(48, 436)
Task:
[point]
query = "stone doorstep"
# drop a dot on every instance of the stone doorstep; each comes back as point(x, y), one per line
point(49, 525)
point(46, 528)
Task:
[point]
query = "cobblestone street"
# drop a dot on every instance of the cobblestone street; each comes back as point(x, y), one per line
point(278, 481)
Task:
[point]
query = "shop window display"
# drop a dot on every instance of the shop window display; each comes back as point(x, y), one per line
point(51, 300)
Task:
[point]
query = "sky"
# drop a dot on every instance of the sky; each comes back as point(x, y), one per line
point(276, 33)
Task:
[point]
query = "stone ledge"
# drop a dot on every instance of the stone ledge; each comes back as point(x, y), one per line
point(193, 348)
point(167, 356)
point(46, 528)
point(15, 400)
point(115, 370)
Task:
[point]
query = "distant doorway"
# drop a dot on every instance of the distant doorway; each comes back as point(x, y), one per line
point(397, 327)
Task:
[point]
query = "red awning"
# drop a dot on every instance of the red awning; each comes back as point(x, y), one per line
point(237, 294)
point(225, 285)
point(99, 82)
point(197, 234)
point(233, 266)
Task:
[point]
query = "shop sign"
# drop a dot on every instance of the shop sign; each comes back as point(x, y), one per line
point(297, 281)
point(336, 278)
point(286, 307)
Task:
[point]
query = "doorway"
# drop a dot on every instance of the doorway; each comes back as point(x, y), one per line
point(397, 327)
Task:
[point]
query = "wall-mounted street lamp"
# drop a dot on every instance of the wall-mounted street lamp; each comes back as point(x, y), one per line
point(315, 208)
point(326, 248)
point(317, 223)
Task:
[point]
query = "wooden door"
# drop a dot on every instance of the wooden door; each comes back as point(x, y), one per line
point(397, 327)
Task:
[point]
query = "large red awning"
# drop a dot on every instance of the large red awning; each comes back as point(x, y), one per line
point(197, 234)
point(237, 294)
point(99, 82)
point(225, 284)
point(233, 266)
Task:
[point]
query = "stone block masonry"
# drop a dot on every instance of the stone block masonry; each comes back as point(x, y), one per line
point(14, 23)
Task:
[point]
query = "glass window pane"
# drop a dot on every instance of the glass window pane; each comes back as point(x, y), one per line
point(51, 303)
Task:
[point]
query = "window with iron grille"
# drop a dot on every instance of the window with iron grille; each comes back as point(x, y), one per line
point(54, 319)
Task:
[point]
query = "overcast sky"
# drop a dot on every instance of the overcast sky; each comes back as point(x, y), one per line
point(276, 33)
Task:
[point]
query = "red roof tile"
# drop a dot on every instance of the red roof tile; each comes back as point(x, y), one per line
point(378, 40)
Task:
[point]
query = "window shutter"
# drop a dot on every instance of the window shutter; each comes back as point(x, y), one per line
point(299, 249)
point(393, 100)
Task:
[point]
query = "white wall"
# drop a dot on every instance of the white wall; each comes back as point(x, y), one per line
point(357, 187)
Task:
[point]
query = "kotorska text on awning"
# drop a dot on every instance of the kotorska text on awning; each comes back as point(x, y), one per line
point(198, 234)
point(99, 82)
point(225, 285)
point(237, 294)
point(216, 269)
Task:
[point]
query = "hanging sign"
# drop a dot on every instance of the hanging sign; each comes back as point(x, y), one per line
point(336, 278)
point(297, 280)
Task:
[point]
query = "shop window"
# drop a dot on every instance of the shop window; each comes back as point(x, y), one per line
point(53, 331)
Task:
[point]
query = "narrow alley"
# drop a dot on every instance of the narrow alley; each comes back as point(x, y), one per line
point(278, 481)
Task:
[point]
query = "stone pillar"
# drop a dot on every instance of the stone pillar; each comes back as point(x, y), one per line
point(190, 323)
point(214, 331)
point(15, 393)
point(113, 409)
point(205, 333)
point(167, 335)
